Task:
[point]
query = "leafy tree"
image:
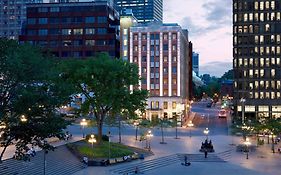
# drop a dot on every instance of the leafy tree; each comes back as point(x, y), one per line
point(105, 83)
point(229, 75)
point(30, 91)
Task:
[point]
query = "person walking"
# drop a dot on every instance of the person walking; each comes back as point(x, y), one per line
point(206, 153)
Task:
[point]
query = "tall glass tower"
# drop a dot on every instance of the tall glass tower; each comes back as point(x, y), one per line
point(256, 59)
point(143, 10)
point(12, 17)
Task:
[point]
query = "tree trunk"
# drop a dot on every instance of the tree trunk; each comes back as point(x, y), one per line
point(273, 149)
point(2, 153)
point(99, 125)
point(119, 128)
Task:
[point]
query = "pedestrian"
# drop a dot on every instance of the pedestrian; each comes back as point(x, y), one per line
point(136, 170)
point(206, 153)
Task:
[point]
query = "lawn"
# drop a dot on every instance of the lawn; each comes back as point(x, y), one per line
point(101, 151)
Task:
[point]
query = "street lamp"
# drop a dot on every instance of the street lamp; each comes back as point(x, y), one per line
point(92, 140)
point(190, 124)
point(247, 143)
point(136, 124)
point(149, 135)
point(23, 118)
point(179, 108)
point(243, 100)
point(83, 123)
point(206, 132)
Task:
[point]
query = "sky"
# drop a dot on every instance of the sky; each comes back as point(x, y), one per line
point(209, 23)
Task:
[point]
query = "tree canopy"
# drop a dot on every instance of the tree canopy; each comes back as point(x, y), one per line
point(30, 91)
point(106, 82)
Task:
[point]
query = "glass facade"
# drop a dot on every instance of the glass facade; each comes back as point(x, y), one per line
point(143, 10)
point(256, 57)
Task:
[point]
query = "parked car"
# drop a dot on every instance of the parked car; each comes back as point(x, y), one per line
point(222, 113)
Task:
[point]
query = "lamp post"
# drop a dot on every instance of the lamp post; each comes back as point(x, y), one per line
point(23, 118)
point(206, 132)
point(109, 146)
point(149, 135)
point(136, 124)
point(92, 140)
point(83, 123)
point(247, 143)
point(190, 124)
point(243, 100)
point(179, 108)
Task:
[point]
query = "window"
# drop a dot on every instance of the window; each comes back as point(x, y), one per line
point(165, 36)
point(174, 70)
point(43, 32)
point(54, 9)
point(43, 20)
point(101, 31)
point(54, 20)
point(143, 36)
point(102, 19)
point(174, 105)
point(66, 31)
point(174, 47)
point(42, 9)
point(165, 59)
point(66, 43)
point(54, 31)
point(90, 42)
point(90, 31)
point(174, 36)
point(78, 42)
point(165, 105)
point(174, 59)
point(143, 59)
point(31, 21)
point(165, 47)
point(31, 32)
point(77, 31)
point(90, 19)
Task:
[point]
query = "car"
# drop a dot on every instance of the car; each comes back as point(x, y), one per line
point(209, 104)
point(222, 113)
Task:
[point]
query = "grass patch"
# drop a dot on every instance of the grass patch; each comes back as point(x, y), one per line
point(102, 150)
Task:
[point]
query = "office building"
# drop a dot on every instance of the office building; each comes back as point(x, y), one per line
point(256, 58)
point(144, 10)
point(161, 52)
point(195, 63)
point(79, 29)
point(12, 17)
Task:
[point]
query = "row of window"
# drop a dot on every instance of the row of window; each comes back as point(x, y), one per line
point(257, 5)
point(261, 62)
point(152, 59)
point(89, 19)
point(258, 51)
point(155, 105)
point(258, 73)
point(155, 48)
point(275, 85)
point(257, 39)
point(67, 9)
point(69, 43)
point(259, 28)
point(155, 37)
point(80, 31)
point(257, 17)
point(165, 70)
point(264, 95)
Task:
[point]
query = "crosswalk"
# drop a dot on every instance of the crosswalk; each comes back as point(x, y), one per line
point(145, 166)
point(58, 162)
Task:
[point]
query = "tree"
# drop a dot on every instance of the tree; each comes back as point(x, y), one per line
point(30, 91)
point(106, 83)
point(229, 75)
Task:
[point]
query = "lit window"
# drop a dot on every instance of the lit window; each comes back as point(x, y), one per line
point(272, 72)
point(174, 105)
point(272, 5)
point(262, 73)
point(125, 31)
point(235, 17)
point(272, 50)
point(267, 4)
point(165, 105)
point(251, 61)
point(261, 84)
point(125, 53)
point(272, 95)
point(245, 17)
point(267, 62)
point(256, 95)
point(261, 95)
point(256, 5)
point(250, 16)
point(251, 86)
point(261, 5)
point(125, 42)
point(251, 73)
point(278, 16)
point(267, 95)
point(261, 39)
point(261, 17)
point(267, 27)
point(272, 16)
point(278, 94)
point(245, 62)
point(77, 31)
point(266, 84)
point(256, 84)
point(278, 84)
point(273, 84)
point(278, 50)
point(262, 62)
point(278, 61)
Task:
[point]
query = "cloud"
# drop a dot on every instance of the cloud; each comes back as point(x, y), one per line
point(215, 68)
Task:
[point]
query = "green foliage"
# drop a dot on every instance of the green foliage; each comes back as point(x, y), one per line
point(105, 82)
point(229, 75)
point(101, 150)
point(30, 85)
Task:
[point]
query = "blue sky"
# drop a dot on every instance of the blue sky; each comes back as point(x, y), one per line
point(210, 29)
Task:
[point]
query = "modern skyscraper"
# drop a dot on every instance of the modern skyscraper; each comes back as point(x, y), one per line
point(195, 62)
point(143, 10)
point(12, 17)
point(256, 58)
point(161, 52)
point(79, 29)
